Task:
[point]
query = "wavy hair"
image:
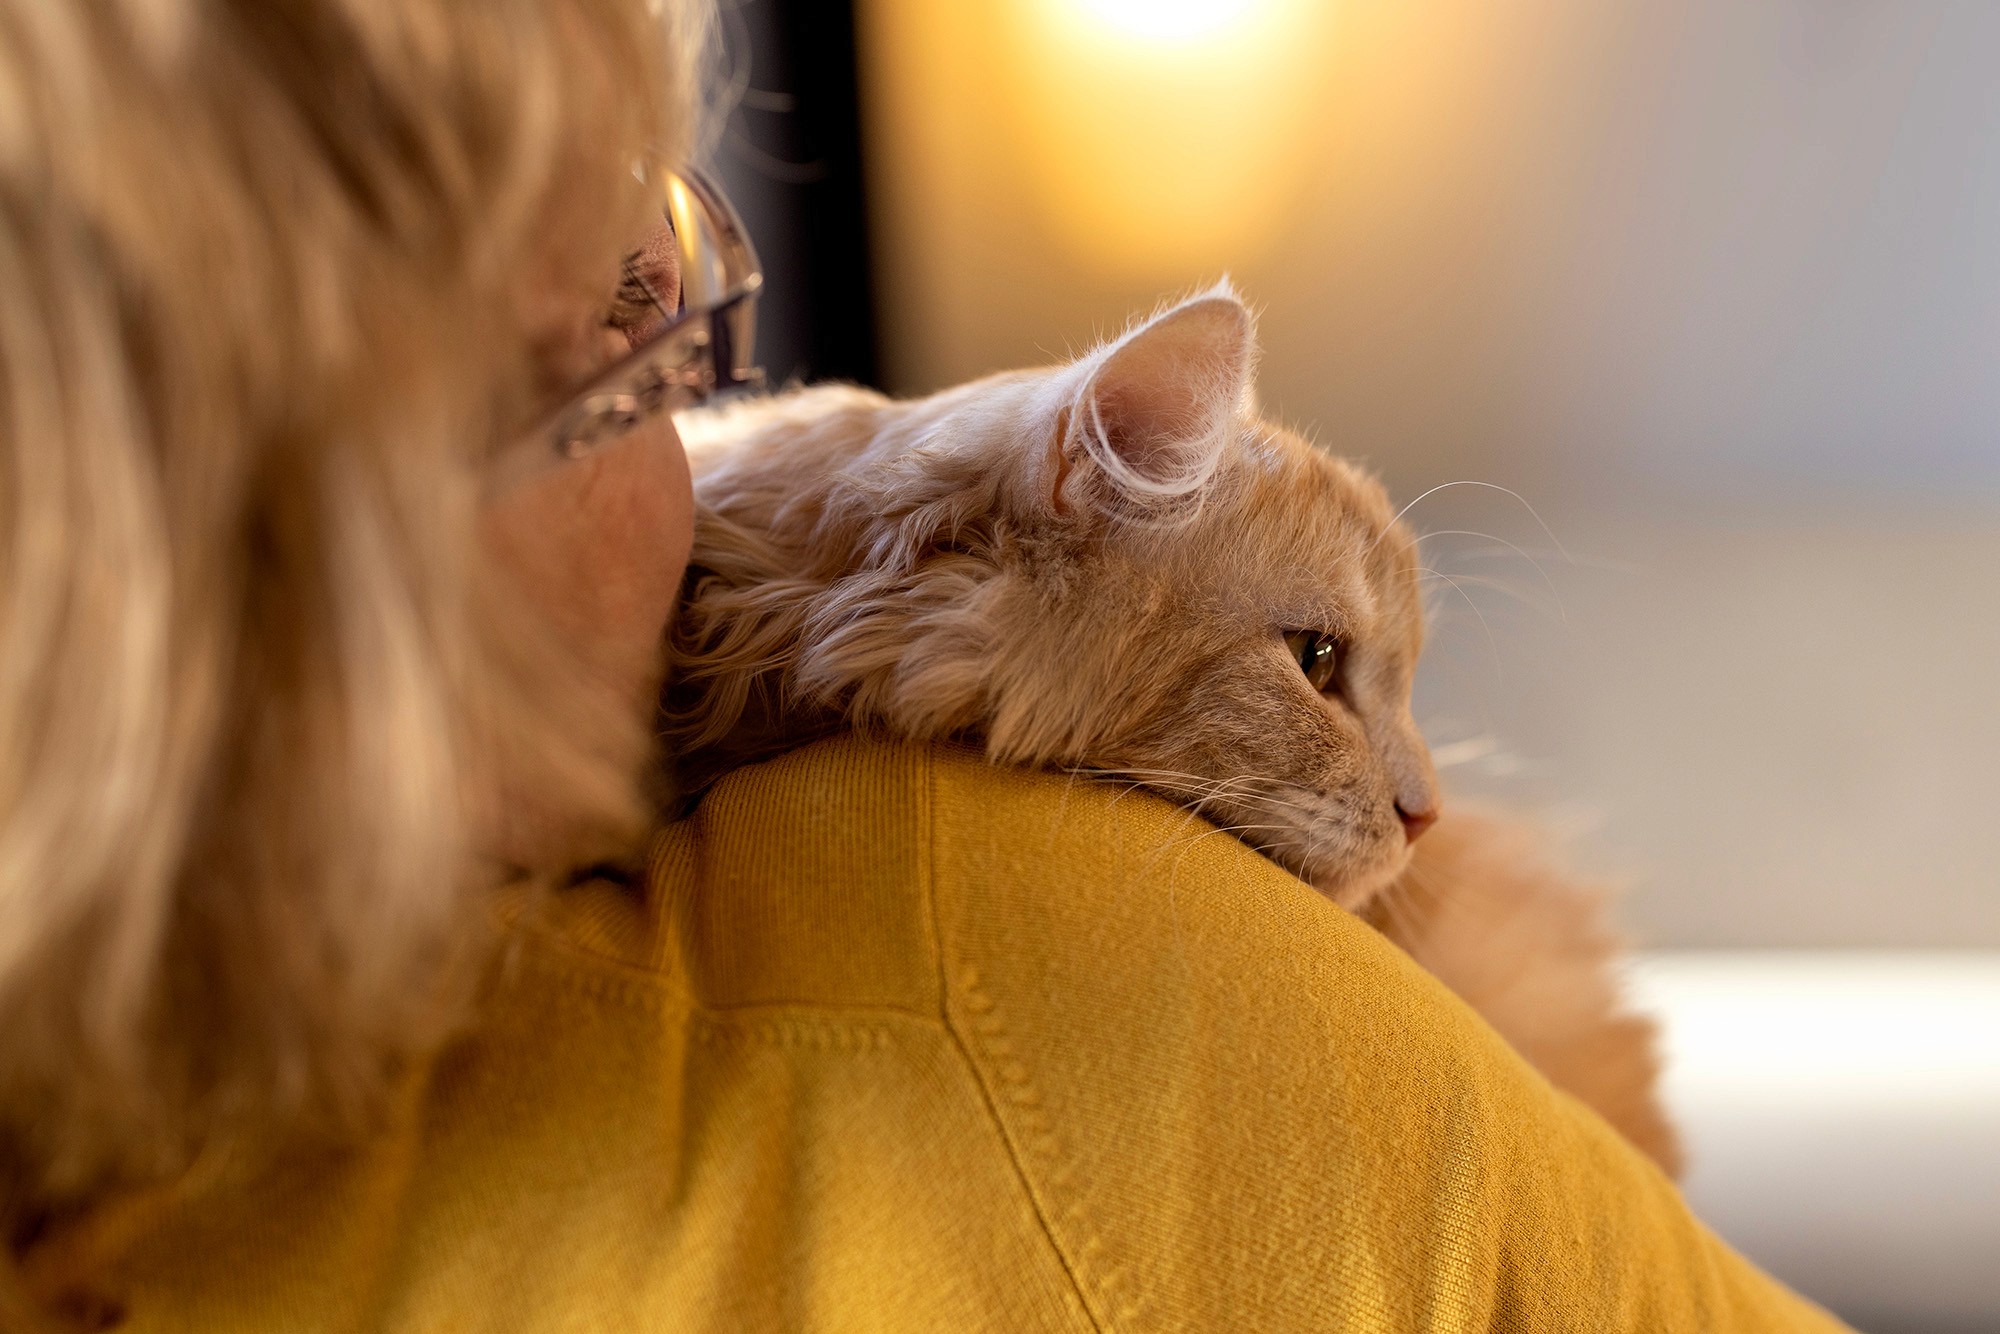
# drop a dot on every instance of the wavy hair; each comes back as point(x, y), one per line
point(264, 267)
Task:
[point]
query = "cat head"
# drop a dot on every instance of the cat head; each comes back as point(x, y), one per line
point(1111, 565)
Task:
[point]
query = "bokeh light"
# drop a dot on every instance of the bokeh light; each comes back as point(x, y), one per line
point(1168, 20)
point(1160, 135)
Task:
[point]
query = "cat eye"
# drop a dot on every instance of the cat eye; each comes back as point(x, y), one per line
point(1318, 656)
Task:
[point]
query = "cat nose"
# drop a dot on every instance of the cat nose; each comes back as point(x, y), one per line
point(1415, 822)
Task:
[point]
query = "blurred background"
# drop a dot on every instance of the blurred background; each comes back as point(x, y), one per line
point(1679, 321)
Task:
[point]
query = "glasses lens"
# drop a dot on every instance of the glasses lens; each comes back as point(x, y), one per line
point(689, 339)
point(649, 297)
point(717, 261)
point(719, 277)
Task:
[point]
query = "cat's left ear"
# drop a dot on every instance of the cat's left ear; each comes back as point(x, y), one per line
point(1155, 410)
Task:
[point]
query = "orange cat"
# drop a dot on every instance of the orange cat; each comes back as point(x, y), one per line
point(1113, 565)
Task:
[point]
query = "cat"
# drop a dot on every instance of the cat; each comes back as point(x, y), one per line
point(1114, 565)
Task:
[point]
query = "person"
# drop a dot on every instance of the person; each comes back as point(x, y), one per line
point(342, 514)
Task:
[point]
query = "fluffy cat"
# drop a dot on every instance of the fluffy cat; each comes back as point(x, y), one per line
point(1114, 565)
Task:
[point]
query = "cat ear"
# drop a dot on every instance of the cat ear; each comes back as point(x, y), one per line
point(1156, 408)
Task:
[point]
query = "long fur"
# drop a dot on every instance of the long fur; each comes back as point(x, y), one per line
point(1093, 567)
point(1485, 909)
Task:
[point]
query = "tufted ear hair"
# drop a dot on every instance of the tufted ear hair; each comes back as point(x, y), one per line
point(1154, 410)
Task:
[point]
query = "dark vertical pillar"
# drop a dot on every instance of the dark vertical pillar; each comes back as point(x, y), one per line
point(791, 157)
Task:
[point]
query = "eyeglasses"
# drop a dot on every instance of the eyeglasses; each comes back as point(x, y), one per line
point(705, 347)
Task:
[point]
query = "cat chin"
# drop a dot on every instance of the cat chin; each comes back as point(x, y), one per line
point(1353, 889)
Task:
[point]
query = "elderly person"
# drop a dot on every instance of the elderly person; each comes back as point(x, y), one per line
point(341, 517)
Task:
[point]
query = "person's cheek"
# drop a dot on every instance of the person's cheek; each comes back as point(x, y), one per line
point(600, 545)
point(673, 533)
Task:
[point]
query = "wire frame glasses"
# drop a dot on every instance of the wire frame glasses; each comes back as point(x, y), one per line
point(704, 348)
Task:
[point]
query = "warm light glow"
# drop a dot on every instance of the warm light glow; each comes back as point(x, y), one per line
point(1162, 136)
point(1039, 168)
point(1170, 20)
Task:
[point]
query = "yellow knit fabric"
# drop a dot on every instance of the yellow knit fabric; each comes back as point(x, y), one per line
point(898, 1041)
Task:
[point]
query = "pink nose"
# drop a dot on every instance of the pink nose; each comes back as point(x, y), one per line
point(1415, 822)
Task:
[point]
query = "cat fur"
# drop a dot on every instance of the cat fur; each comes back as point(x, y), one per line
point(1092, 567)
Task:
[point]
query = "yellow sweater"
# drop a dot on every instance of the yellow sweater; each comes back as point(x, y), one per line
point(897, 1041)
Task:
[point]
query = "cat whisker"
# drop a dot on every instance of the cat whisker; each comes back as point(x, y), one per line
point(1561, 611)
point(1493, 643)
point(1180, 782)
point(1207, 789)
point(1247, 828)
point(1276, 803)
point(1552, 606)
point(1246, 781)
point(1159, 787)
point(1490, 486)
point(1579, 562)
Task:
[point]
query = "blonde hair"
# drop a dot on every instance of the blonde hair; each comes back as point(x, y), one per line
point(262, 276)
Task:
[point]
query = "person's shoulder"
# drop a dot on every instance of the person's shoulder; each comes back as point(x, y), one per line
point(864, 872)
point(804, 880)
point(1112, 1046)
point(1230, 1095)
